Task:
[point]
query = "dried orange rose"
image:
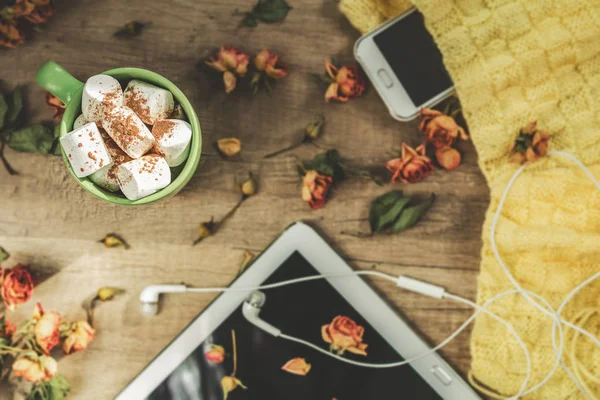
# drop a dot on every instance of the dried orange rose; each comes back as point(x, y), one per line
point(229, 384)
point(9, 328)
point(58, 106)
point(344, 335)
point(297, 366)
point(530, 145)
point(413, 166)
point(347, 82)
point(270, 64)
point(41, 369)
point(448, 157)
point(230, 58)
point(79, 337)
point(47, 332)
point(17, 286)
point(41, 13)
point(10, 36)
point(216, 354)
point(440, 129)
point(315, 187)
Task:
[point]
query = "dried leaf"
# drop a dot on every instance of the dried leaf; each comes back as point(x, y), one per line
point(411, 215)
point(131, 29)
point(3, 255)
point(108, 293)
point(297, 366)
point(112, 240)
point(267, 11)
point(228, 147)
point(34, 138)
point(247, 258)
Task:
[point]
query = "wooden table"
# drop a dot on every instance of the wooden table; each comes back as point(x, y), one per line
point(50, 222)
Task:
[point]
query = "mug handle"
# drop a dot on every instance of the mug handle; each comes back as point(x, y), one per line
point(58, 81)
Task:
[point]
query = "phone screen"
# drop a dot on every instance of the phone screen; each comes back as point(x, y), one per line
point(414, 58)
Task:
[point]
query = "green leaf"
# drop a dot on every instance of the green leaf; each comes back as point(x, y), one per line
point(35, 138)
point(56, 144)
point(55, 389)
point(386, 209)
point(329, 163)
point(3, 254)
point(15, 106)
point(3, 110)
point(267, 11)
point(411, 215)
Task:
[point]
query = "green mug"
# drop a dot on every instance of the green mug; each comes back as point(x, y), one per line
point(61, 84)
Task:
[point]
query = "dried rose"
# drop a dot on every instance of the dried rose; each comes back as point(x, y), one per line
point(448, 157)
point(79, 336)
point(216, 354)
point(35, 369)
point(248, 187)
point(439, 129)
point(530, 145)
point(413, 166)
point(347, 82)
point(47, 332)
point(9, 328)
point(41, 13)
point(270, 64)
point(58, 106)
point(17, 286)
point(229, 147)
point(229, 384)
point(230, 58)
point(315, 187)
point(131, 29)
point(344, 335)
point(10, 36)
point(112, 240)
point(297, 366)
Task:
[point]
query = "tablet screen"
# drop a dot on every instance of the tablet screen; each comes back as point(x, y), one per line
point(254, 359)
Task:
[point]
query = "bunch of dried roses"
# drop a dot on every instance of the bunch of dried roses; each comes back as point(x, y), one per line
point(25, 348)
point(234, 64)
point(18, 19)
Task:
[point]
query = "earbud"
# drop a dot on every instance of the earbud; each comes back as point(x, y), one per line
point(150, 295)
point(251, 310)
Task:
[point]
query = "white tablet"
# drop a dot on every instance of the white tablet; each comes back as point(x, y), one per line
point(220, 355)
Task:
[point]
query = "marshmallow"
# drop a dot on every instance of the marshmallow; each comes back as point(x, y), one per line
point(144, 176)
point(106, 177)
point(81, 121)
point(173, 138)
point(149, 102)
point(85, 150)
point(99, 92)
point(128, 131)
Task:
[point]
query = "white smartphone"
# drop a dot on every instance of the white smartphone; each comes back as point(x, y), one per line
point(404, 65)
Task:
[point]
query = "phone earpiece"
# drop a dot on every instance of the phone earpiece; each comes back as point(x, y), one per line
point(251, 310)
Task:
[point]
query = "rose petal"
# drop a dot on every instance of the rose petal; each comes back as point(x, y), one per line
point(297, 366)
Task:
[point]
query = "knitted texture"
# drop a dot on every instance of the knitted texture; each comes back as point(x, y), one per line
point(513, 62)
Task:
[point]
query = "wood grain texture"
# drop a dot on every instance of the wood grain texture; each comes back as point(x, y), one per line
point(49, 221)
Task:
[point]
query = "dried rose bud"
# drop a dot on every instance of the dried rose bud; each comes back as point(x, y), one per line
point(448, 157)
point(216, 354)
point(113, 240)
point(229, 147)
point(108, 293)
point(229, 384)
point(412, 167)
point(439, 129)
point(347, 82)
point(530, 145)
point(205, 230)
point(313, 130)
point(58, 106)
point(248, 187)
point(230, 81)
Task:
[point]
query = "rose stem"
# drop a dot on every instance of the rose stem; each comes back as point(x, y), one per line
point(292, 147)
point(234, 352)
point(8, 167)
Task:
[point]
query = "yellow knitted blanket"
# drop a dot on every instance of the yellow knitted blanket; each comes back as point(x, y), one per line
point(512, 62)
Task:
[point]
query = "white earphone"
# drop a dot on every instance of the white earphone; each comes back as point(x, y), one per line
point(251, 308)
